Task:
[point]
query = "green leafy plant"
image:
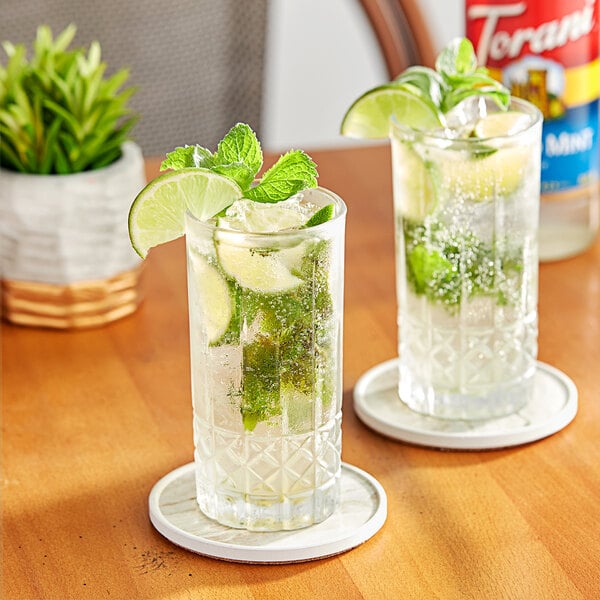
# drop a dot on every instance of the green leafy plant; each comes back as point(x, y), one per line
point(59, 113)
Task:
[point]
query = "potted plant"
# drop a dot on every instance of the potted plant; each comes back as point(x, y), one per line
point(68, 174)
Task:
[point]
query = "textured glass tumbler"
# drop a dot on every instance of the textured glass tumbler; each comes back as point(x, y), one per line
point(466, 215)
point(266, 356)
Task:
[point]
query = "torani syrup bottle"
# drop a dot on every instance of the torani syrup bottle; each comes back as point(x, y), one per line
point(546, 51)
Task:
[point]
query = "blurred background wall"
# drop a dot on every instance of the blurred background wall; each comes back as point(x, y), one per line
point(198, 64)
point(289, 68)
point(321, 55)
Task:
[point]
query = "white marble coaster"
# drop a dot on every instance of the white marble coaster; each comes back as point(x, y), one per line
point(553, 406)
point(175, 514)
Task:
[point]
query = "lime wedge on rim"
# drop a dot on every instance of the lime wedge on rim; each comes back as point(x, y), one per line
point(157, 214)
point(369, 116)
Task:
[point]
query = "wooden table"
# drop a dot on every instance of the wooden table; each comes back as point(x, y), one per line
point(92, 419)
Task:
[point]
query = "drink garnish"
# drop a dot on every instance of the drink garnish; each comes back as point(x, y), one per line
point(206, 183)
point(422, 97)
point(157, 213)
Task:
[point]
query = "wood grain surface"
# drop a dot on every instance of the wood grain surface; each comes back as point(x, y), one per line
point(92, 419)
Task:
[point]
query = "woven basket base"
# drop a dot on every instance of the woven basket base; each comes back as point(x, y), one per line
point(74, 306)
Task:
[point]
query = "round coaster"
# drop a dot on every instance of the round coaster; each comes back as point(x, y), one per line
point(175, 514)
point(553, 406)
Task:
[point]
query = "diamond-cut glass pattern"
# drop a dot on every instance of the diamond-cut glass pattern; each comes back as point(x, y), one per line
point(283, 474)
point(463, 370)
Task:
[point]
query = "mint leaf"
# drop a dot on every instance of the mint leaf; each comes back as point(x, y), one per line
point(426, 80)
point(293, 172)
point(239, 155)
point(493, 92)
point(241, 173)
point(260, 381)
point(478, 83)
point(457, 58)
point(187, 156)
point(428, 268)
point(323, 215)
point(457, 66)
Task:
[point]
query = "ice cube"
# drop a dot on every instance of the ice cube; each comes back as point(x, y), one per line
point(462, 118)
point(259, 217)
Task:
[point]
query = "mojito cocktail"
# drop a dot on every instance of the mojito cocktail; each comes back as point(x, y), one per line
point(265, 284)
point(466, 241)
point(265, 298)
point(466, 171)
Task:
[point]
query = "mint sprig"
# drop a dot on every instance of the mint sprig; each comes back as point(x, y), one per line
point(457, 64)
point(239, 157)
point(455, 78)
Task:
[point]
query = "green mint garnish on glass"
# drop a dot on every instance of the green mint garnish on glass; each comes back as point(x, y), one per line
point(206, 183)
point(422, 97)
point(461, 77)
point(239, 157)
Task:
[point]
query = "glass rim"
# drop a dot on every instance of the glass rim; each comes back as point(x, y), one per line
point(339, 214)
point(522, 106)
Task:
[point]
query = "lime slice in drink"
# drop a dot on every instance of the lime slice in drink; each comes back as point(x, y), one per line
point(482, 178)
point(493, 171)
point(214, 297)
point(157, 214)
point(257, 269)
point(369, 116)
point(500, 124)
point(412, 180)
point(257, 265)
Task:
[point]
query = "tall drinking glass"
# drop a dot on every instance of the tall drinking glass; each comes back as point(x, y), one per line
point(266, 356)
point(467, 264)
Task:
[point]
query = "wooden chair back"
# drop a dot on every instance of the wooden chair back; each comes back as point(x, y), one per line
point(402, 33)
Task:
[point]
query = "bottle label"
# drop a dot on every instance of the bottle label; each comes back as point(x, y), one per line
point(546, 51)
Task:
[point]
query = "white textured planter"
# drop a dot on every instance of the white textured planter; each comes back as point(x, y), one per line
point(66, 256)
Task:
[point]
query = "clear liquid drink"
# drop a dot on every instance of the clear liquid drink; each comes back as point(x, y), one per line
point(265, 303)
point(467, 261)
